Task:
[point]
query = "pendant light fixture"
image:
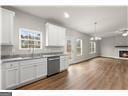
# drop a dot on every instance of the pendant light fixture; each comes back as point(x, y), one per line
point(95, 37)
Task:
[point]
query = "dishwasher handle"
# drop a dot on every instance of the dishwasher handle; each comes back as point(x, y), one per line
point(53, 59)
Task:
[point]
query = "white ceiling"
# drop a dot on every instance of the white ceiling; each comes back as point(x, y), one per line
point(82, 18)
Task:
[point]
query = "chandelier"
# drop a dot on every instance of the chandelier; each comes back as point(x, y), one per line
point(95, 37)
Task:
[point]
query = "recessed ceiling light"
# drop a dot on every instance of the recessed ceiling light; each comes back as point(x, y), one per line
point(66, 15)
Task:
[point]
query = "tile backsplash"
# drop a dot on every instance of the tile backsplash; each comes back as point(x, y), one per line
point(6, 50)
point(9, 50)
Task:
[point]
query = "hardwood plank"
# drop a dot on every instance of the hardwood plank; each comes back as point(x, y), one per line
point(95, 74)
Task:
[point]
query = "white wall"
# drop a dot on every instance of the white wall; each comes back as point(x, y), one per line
point(108, 48)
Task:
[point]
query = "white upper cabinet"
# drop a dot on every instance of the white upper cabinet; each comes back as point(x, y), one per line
point(55, 35)
point(7, 27)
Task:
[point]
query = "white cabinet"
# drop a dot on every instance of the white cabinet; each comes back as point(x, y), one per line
point(7, 27)
point(32, 69)
point(64, 63)
point(12, 77)
point(11, 74)
point(61, 36)
point(41, 69)
point(27, 73)
point(55, 35)
point(21, 72)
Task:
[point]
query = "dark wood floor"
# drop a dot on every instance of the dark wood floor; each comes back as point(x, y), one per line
point(98, 73)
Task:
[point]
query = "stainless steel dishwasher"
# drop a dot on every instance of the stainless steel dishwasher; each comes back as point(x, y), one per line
point(53, 65)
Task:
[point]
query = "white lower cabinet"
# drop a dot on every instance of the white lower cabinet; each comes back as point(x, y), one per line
point(10, 74)
point(12, 77)
point(32, 69)
point(27, 73)
point(64, 63)
point(41, 69)
point(21, 72)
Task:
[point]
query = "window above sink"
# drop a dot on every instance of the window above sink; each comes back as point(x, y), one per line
point(29, 39)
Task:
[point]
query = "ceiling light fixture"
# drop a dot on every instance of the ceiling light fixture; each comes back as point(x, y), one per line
point(95, 37)
point(66, 15)
point(125, 33)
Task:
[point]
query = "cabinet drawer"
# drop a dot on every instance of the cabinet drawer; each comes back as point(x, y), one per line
point(11, 65)
point(63, 57)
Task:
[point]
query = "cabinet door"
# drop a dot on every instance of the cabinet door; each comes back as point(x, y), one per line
point(12, 77)
point(50, 35)
point(27, 73)
point(55, 35)
point(61, 36)
point(62, 66)
point(63, 63)
point(41, 70)
point(7, 26)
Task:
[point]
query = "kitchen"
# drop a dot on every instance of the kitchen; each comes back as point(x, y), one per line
point(28, 45)
point(63, 47)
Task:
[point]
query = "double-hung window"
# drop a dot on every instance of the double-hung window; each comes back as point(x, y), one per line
point(79, 47)
point(92, 47)
point(30, 39)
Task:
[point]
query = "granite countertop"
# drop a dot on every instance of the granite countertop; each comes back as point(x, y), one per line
point(18, 58)
point(54, 55)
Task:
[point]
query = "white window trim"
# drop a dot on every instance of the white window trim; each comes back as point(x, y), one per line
point(92, 51)
point(81, 46)
point(22, 39)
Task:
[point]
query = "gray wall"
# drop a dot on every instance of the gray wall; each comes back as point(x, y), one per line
point(108, 45)
point(24, 20)
point(73, 35)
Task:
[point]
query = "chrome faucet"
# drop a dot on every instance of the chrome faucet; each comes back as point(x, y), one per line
point(32, 52)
